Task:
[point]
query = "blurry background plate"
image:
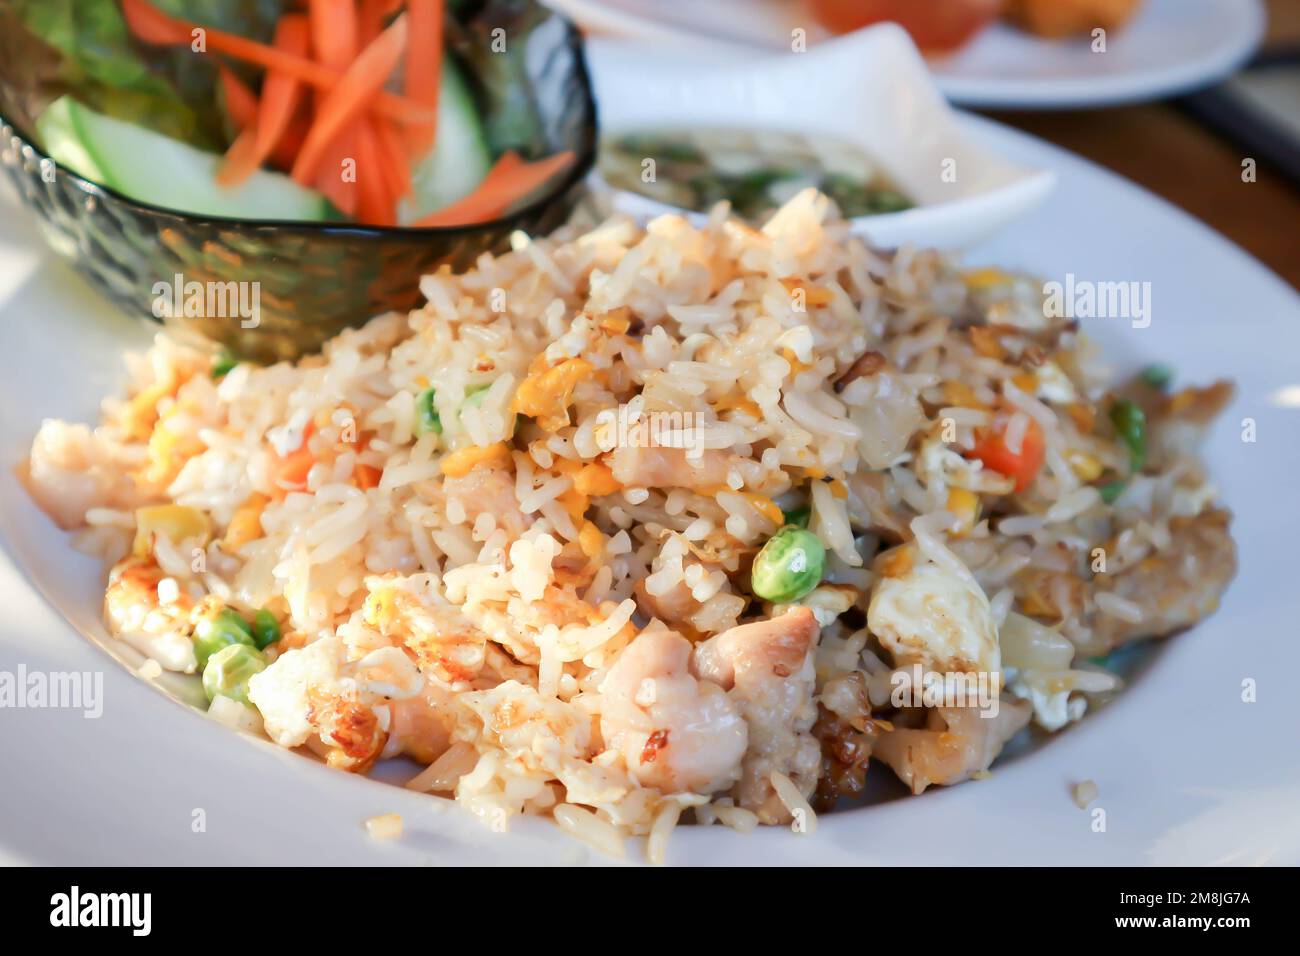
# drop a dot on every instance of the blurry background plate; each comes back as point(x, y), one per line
point(1171, 46)
point(1188, 771)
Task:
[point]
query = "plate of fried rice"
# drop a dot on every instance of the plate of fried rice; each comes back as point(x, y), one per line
point(673, 542)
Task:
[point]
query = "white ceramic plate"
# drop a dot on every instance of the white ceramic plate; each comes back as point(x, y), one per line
point(869, 89)
point(1188, 772)
point(1170, 46)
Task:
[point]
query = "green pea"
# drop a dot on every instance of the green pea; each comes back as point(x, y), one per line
point(427, 414)
point(1158, 375)
point(223, 364)
point(221, 630)
point(266, 629)
point(228, 670)
point(789, 566)
point(1111, 490)
point(798, 516)
point(1131, 424)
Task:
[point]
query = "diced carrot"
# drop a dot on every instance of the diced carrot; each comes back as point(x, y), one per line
point(281, 95)
point(367, 476)
point(241, 102)
point(290, 471)
point(353, 94)
point(991, 448)
point(154, 26)
point(423, 72)
point(501, 188)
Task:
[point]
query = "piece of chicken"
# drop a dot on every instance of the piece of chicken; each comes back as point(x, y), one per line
point(1174, 588)
point(767, 669)
point(659, 467)
point(955, 743)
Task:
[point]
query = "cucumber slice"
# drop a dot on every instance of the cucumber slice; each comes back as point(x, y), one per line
point(459, 160)
point(161, 171)
point(57, 128)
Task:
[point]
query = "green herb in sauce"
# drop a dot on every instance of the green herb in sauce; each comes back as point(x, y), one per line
point(755, 171)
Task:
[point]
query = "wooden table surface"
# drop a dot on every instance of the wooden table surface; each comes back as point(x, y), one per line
point(1169, 152)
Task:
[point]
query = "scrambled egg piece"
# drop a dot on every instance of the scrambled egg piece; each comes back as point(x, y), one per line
point(930, 616)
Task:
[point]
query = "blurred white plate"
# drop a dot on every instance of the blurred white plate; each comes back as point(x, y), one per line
point(869, 89)
point(1171, 46)
point(1188, 772)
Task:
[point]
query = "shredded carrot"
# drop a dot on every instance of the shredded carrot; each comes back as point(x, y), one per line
point(335, 39)
point(241, 102)
point(291, 141)
point(375, 204)
point(240, 160)
point(373, 13)
point(423, 74)
point(334, 32)
point(353, 94)
point(500, 189)
point(396, 164)
point(281, 95)
point(154, 26)
point(348, 137)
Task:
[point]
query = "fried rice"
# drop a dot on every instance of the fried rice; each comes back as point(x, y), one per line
point(510, 535)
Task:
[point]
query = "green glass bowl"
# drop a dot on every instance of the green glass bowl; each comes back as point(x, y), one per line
point(313, 279)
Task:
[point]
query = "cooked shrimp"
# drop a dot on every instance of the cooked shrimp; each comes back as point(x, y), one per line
point(136, 613)
point(676, 733)
point(70, 471)
point(767, 667)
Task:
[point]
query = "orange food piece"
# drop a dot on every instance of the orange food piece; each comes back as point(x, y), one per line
point(350, 97)
point(507, 182)
point(246, 524)
point(595, 480)
point(423, 74)
point(153, 26)
point(241, 102)
point(367, 476)
point(281, 95)
point(461, 462)
point(545, 395)
point(991, 448)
